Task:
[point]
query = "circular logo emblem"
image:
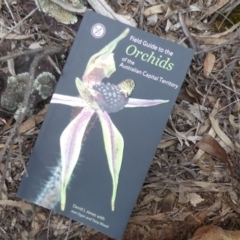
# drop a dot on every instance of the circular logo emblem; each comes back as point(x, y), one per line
point(98, 30)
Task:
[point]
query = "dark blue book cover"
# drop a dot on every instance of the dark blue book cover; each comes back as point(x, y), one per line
point(105, 120)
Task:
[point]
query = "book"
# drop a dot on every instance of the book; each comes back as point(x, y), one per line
point(104, 122)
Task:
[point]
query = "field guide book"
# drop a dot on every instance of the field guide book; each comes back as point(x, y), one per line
point(103, 125)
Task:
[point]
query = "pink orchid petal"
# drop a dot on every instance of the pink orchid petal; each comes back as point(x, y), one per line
point(135, 102)
point(114, 145)
point(68, 100)
point(70, 144)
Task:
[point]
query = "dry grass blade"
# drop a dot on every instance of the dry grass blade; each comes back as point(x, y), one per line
point(211, 146)
point(221, 134)
point(14, 36)
point(217, 35)
point(100, 6)
point(155, 9)
point(216, 7)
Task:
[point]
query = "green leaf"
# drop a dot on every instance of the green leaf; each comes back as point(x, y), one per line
point(102, 64)
point(114, 145)
point(71, 144)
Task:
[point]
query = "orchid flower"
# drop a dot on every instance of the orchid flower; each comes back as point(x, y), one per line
point(101, 99)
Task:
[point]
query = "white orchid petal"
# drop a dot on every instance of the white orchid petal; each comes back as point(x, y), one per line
point(135, 102)
point(68, 100)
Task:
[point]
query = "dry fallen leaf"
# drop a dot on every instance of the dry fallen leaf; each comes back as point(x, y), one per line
point(223, 136)
point(214, 233)
point(234, 125)
point(20, 204)
point(205, 126)
point(155, 9)
point(194, 199)
point(152, 20)
point(33, 121)
point(208, 64)
point(211, 146)
point(168, 202)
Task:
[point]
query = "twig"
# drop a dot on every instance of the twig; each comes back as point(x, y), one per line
point(220, 45)
point(141, 14)
point(9, 9)
point(54, 65)
point(13, 55)
point(69, 7)
point(221, 84)
point(20, 152)
point(232, 4)
point(224, 19)
point(20, 22)
point(135, 13)
point(68, 231)
point(122, 8)
point(4, 173)
point(49, 217)
point(186, 31)
point(228, 72)
point(79, 233)
point(3, 234)
point(100, 6)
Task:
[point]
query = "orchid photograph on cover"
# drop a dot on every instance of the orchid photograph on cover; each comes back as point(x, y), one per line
point(100, 98)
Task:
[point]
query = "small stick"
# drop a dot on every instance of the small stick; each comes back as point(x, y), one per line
point(21, 156)
point(228, 72)
point(186, 31)
point(4, 173)
point(68, 231)
point(232, 4)
point(220, 45)
point(135, 13)
point(20, 22)
point(9, 9)
point(13, 55)
point(141, 14)
point(54, 65)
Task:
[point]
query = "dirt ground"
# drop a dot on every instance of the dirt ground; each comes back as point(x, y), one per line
point(194, 177)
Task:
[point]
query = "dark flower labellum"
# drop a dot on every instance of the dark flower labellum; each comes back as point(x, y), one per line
point(110, 99)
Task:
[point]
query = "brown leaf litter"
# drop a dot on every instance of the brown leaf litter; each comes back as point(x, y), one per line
point(192, 188)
